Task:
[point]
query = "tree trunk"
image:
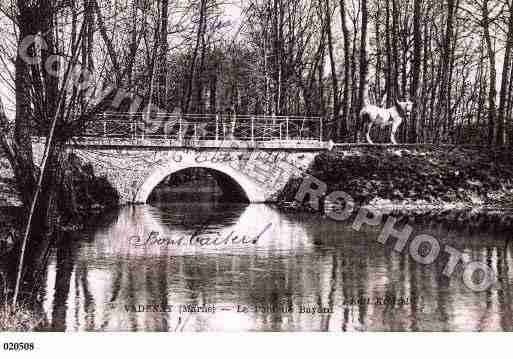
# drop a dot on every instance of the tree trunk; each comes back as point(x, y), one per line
point(199, 106)
point(501, 115)
point(162, 80)
point(134, 44)
point(24, 169)
point(333, 66)
point(443, 100)
point(417, 64)
point(108, 43)
point(395, 50)
point(342, 128)
point(423, 100)
point(363, 97)
point(492, 94)
point(192, 68)
point(390, 67)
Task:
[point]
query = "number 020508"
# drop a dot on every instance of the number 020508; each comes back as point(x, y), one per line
point(18, 347)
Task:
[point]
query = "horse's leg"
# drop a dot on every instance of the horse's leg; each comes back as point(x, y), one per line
point(369, 126)
point(395, 126)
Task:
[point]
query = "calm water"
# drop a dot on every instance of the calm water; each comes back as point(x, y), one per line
point(266, 268)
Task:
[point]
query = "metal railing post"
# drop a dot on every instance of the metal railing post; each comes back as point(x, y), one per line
point(180, 128)
point(132, 130)
point(104, 126)
point(320, 130)
point(252, 129)
point(217, 127)
point(287, 128)
point(232, 126)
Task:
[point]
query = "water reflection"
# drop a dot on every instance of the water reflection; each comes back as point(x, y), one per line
point(103, 279)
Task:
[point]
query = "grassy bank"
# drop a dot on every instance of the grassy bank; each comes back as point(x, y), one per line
point(461, 185)
point(81, 198)
point(21, 319)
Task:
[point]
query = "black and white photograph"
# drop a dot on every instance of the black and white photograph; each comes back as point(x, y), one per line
point(236, 166)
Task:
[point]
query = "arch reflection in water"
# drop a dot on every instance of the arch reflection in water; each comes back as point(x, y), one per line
point(300, 262)
point(114, 272)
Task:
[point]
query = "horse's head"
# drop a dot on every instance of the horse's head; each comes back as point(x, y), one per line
point(405, 106)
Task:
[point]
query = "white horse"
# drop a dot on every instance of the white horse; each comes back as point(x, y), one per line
point(383, 117)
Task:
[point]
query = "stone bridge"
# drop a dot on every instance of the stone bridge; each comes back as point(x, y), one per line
point(250, 157)
point(251, 171)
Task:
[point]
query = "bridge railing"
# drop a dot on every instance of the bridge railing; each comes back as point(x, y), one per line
point(205, 127)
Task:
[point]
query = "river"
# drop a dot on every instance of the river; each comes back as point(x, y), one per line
point(254, 268)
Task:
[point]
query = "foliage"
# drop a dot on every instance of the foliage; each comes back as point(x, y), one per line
point(18, 319)
point(83, 193)
point(21, 319)
point(441, 177)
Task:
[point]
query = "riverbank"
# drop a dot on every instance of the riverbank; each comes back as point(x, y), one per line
point(81, 197)
point(21, 319)
point(461, 186)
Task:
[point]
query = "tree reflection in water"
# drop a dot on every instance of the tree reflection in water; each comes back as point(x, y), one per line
point(302, 260)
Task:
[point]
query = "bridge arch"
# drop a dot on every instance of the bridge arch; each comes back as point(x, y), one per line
point(252, 191)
